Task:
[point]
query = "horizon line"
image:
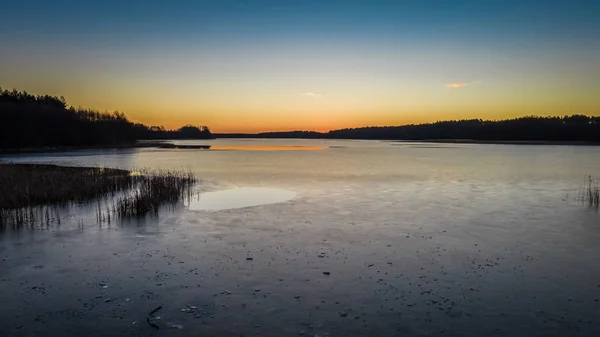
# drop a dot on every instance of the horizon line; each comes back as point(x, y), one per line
point(410, 124)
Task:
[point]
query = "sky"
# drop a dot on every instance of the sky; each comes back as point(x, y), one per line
point(267, 65)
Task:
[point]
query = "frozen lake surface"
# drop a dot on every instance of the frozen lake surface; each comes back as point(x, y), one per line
point(354, 238)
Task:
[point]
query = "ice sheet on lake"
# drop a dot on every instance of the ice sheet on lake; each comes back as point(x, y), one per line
point(239, 198)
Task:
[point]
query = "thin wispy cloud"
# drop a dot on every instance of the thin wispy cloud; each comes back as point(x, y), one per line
point(311, 94)
point(456, 85)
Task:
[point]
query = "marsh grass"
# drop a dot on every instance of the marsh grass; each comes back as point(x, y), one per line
point(590, 192)
point(32, 195)
point(153, 189)
point(23, 185)
point(37, 216)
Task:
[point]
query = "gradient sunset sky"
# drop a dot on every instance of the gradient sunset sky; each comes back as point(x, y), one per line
point(248, 66)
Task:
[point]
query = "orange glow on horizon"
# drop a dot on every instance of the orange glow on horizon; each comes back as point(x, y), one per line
point(265, 148)
point(264, 124)
point(236, 107)
point(310, 74)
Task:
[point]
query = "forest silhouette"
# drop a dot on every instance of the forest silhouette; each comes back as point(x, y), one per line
point(30, 121)
point(566, 129)
point(42, 121)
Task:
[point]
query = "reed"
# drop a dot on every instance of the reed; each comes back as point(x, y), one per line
point(30, 194)
point(30, 217)
point(153, 189)
point(26, 185)
point(590, 192)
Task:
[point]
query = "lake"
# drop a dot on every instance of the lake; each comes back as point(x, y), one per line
point(322, 238)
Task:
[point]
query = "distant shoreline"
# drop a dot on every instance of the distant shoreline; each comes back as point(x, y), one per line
point(501, 142)
point(141, 144)
point(159, 144)
point(446, 141)
point(166, 144)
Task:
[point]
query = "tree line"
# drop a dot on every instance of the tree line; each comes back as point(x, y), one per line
point(574, 128)
point(37, 121)
point(34, 121)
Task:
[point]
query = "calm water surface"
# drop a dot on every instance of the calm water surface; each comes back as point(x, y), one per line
point(323, 238)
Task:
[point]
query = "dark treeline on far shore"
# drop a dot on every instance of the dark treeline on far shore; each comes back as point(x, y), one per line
point(40, 121)
point(575, 128)
point(30, 121)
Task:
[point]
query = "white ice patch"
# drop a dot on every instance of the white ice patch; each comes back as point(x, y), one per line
point(239, 198)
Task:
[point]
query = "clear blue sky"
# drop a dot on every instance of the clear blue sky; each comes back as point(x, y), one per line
point(266, 65)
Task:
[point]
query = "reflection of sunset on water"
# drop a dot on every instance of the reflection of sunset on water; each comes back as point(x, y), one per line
point(266, 148)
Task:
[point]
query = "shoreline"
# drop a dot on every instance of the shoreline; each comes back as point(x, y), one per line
point(447, 141)
point(166, 144)
point(140, 144)
point(501, 142)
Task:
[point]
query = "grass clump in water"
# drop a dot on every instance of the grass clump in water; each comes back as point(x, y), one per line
point(153, 189)
point(27, 185)
point(590, 193)
point(31, 194)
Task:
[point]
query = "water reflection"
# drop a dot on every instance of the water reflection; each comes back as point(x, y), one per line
point(239, 198)
point(475, 241)
point(267, 147)
point(244, 147)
